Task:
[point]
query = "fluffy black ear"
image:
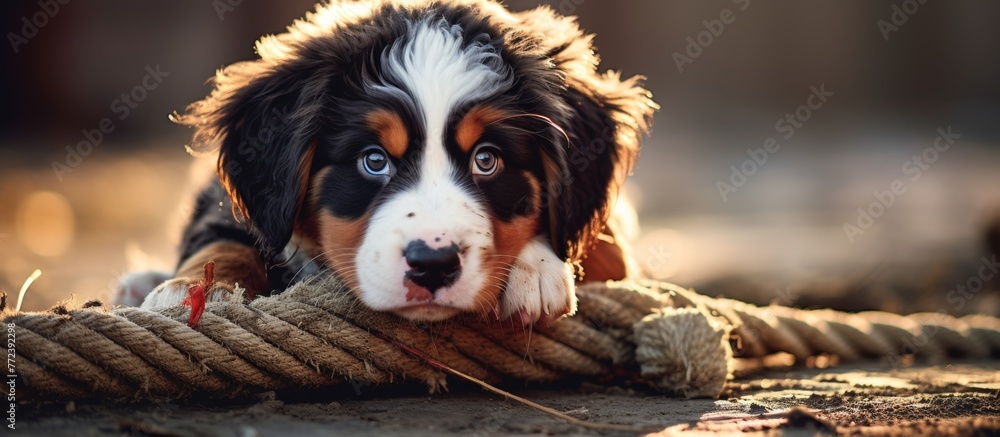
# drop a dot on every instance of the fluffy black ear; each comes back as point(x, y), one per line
point(603, 126)
point(262, 117)
point(603, 118)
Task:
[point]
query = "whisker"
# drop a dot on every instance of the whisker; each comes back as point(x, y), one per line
point(543, 118)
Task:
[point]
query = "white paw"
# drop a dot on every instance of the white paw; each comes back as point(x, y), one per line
point(539, 287)
point(133, 288)
point(173, 292)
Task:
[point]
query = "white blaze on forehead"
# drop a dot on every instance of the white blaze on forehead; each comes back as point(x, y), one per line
point(433, 69)
point(440, 74)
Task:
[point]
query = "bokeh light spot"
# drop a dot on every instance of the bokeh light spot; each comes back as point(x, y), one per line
point(46, 223)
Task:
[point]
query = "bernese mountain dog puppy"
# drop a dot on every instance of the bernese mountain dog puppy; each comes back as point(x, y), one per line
point(441, 157)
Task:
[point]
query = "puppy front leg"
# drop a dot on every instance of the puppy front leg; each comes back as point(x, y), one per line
point(235, 264)
point(213, 234)
point(539, 287)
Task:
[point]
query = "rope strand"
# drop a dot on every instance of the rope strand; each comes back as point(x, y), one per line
point(318, 334)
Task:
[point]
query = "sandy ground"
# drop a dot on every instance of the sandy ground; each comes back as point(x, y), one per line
point(861, 399)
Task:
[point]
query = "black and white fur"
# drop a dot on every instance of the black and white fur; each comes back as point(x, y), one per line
point(297, 147)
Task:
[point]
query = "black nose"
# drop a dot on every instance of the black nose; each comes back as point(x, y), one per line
point(432, 268)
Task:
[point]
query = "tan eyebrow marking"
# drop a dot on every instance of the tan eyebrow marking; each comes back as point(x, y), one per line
point(472, 126)
point(391, 131)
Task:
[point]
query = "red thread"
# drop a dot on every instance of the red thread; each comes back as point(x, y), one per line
point(197, 294)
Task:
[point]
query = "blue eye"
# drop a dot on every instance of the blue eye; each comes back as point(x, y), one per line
point(375, 162)
point(485, 160)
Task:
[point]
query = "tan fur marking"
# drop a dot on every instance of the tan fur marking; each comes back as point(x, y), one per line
point(339, 240)
point(604, 261)
point(509, 238)
point(305, 171)
point(611, 258)
point(472, 126)
point(391, 131)
point(307, 225)
point(234, 264)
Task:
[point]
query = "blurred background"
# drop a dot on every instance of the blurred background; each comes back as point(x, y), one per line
point(94, 178)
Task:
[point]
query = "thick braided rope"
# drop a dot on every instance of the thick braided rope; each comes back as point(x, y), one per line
point(318, 334)
point(850, 336)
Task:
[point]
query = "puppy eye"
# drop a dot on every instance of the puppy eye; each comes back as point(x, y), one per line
point(485, 160)
point(375, 162)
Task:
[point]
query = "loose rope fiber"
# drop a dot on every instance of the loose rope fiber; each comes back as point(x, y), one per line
point(318, 334)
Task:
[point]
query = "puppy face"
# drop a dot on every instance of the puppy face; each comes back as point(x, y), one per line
point(423, 145)
point(432, 231)
point(430, 187)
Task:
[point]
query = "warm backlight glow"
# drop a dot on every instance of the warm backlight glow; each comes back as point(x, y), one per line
point(46, 223)
point(663, 252)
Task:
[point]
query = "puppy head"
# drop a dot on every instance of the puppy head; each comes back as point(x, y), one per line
point(422, 145)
